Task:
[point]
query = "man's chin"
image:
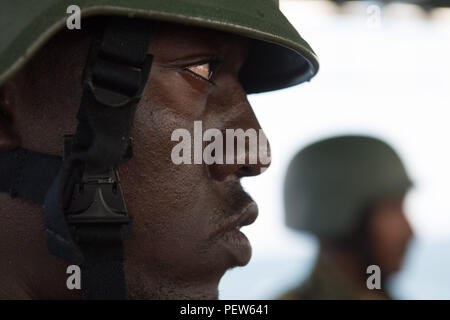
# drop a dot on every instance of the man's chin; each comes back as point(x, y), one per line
point(237, 246)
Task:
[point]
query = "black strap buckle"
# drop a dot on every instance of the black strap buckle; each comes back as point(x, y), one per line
point(98, 199)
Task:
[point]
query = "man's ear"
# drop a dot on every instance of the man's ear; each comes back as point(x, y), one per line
point(9, 139)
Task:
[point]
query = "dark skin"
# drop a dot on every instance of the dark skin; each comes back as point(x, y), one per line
point(390, 233)
point(387, 234)
point(177, 250)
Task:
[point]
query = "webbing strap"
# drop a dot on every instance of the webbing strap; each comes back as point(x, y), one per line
point(27, 175)
point(86, 216)
point(103, 275)
point(84, 210)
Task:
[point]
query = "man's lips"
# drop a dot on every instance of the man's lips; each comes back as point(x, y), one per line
point(246, 217)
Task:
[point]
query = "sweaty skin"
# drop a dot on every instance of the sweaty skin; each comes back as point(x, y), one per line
point(179, 211)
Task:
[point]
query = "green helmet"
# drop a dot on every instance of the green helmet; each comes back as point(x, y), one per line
point(330, 183)
point(85, 214)
point(281, 58)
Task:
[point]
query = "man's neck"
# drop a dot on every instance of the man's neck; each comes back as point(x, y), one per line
point(144, 286)
point(350, 267)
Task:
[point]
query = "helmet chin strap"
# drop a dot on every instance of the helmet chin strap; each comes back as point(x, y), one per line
point(85, 213)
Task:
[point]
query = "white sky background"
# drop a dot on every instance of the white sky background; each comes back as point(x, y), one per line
point(391, 81)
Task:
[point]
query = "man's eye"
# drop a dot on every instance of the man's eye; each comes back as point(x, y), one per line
point(203, 70)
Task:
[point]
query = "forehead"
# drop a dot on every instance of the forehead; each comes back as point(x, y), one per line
point(187, 38)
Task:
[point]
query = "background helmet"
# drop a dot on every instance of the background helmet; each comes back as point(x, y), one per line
point(281, 58)
point(330, 183)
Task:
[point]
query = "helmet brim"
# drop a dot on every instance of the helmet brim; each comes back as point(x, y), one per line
point(279, 59)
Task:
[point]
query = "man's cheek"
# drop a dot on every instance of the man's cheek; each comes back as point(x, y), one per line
point(173, 92)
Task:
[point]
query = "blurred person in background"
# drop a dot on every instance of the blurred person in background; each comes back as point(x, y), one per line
point(349, 191)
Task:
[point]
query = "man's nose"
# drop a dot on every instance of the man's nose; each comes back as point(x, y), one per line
point(246, 149)
point(408, 231)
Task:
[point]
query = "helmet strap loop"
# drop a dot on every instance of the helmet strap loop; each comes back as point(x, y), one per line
point(85, 214)
point(88, 205)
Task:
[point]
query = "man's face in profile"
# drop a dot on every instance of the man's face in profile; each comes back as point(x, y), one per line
point(187, 216)
point(390, 233)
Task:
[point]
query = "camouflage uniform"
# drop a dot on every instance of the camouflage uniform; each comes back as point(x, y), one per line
point(328, 282)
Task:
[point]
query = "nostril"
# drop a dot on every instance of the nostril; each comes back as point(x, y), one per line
point(245, 170)
point(248, 170)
